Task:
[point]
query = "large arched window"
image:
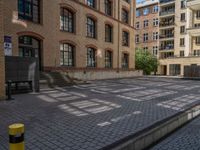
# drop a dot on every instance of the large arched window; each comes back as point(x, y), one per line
point(66, 20)
point(67, 52)
point(125, 61)
point(108, 59)
point(125, 16)
point(91, 27)
point(108, 33)
point(91, 57)
point(108, 7)
point(91, 3)
point(30, 47)
point(29, 10)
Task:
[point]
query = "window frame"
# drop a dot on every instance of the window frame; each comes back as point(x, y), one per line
point(70, 54)
point(91, 57)
point(22, 14)
point(67, 20)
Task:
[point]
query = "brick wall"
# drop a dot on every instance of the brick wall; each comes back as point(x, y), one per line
point(51, 36)
point(2, 69)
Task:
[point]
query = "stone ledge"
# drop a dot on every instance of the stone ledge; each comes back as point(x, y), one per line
point(156, 132)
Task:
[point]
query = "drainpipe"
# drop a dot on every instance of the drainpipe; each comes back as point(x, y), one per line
point(118, 36)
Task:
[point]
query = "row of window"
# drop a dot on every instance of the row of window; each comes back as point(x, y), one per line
point(30, 10)
point(154, 50)
point(147, 10)
point(67, 20)
point(155, 36)
point(67, 57)
point(182, 41)
point(146, 23)
point(67, 23)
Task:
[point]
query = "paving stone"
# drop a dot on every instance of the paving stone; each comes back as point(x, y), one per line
point(69, 118)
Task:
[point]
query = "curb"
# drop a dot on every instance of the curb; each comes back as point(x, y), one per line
point(152, 134)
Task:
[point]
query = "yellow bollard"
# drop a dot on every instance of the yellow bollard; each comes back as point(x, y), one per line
point(16, 137)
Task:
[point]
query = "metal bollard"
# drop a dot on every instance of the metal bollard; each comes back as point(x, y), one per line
point(16, 137)
point(9, 90)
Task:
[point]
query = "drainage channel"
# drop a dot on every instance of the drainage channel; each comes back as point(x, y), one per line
point(151, 135)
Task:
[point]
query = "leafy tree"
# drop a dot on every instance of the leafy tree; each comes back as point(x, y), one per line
point(146, 61)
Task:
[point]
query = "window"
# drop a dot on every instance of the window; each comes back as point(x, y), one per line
point(183, 4)
point(155, 22)
point(146, 11)
point(125, 61)
point(108, 59)
point(67, 55)
point(108, 33)
point(155, 50)
point(196, 52)
point(108, 7)
point(28, 46)
point(155, 35)
point(125, 38)
point(91, 57)
point(182, 42)
point(145, 49)
point(91, 3)
point(183, 17)
point(137, 25)
point(137, 13)
point(145, 38)
point(137, 38)
point(125, 16)
point(182, 53)
point(182, 29)
point(198, 14)
point(66, 20)
point(91, 28)
point(155, 9)
point(29, 10)
point(197, 41)
point(146, 23)
point(128, 1)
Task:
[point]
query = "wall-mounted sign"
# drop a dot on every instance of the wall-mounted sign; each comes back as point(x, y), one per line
point(8, 45)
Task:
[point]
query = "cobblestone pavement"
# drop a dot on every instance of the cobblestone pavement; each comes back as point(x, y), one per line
point(93, 116)
point(187, 138)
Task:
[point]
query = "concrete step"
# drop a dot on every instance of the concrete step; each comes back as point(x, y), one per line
point(54, 79)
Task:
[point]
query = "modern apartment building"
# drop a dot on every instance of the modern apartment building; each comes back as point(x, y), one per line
point(71, 35)
point(179, 35)
point(147, 26)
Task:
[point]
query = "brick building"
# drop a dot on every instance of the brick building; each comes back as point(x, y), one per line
point(147, 26)
point(81, 36)
point(2, 74)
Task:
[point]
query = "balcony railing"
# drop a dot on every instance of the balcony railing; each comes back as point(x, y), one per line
point(167, 47)
point(165, 24)
point(166, 36)
point(166, 1)
point(167, 12)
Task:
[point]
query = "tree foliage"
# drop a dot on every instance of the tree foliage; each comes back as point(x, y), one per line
point(146, 61)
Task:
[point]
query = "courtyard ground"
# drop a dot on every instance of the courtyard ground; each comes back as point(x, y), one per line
point(95, 116)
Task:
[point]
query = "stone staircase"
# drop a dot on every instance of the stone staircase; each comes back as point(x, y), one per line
point(56, 79)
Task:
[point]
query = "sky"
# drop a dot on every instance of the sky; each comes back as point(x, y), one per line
point(138, 1)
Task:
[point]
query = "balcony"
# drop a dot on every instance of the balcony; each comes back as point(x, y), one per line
point(166, 24)
point(167, 13)
point(193, 4)
point(166, 36)
point(166, 2)
point(167, 48)
point(194, 31)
